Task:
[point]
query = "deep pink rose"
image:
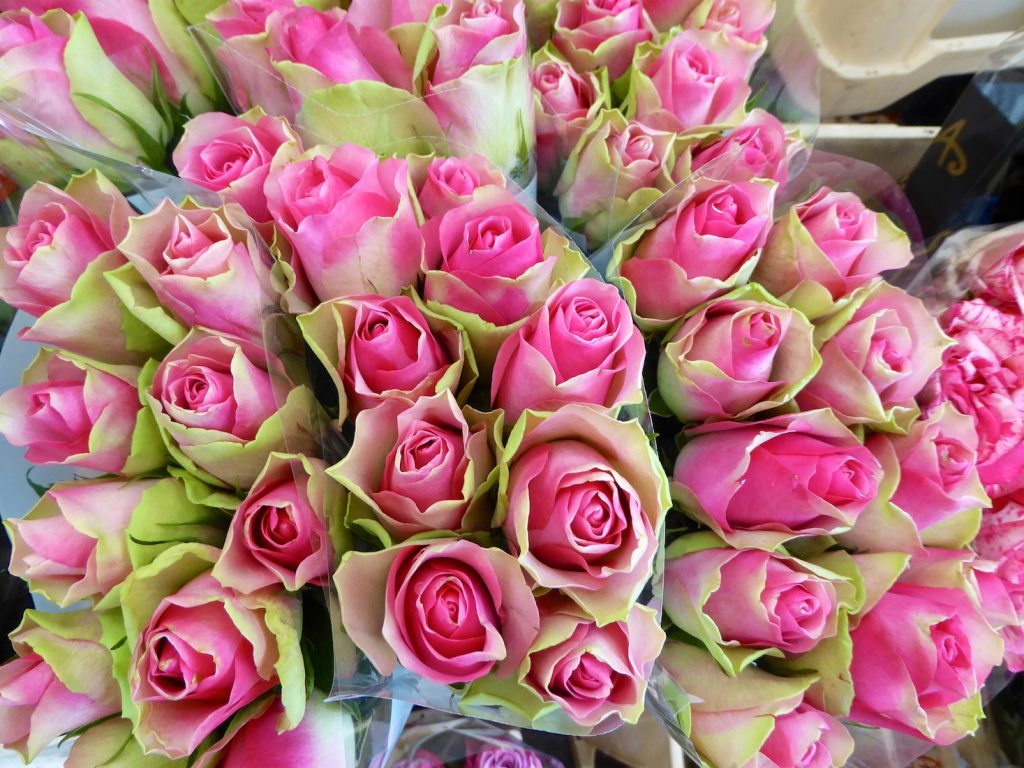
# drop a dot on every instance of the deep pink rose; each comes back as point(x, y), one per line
point(58, 235)
point(999, 257)
point(350, 221)
point(707, 245)
point(580, 347)
point(246, 17)
point(762, 483)
point(72, 412)
point(694, 81)
point(231, 155)
point(982, 375)
point(601, 33)
point(921, 684)
point(278, 534)
point(757, 148)
point(1001, 539)
point(876, 356)
point(477, 32)
point(328, 42)
point(448, 610)
point(205, 265)
point(596, 674)
point(451, 182)
point(807, 737)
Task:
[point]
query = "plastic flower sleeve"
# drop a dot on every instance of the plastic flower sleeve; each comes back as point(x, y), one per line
point(412, 90)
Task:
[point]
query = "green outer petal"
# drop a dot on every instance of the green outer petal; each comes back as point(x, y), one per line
point(283, 617)
point(111, 744)
point(141, 302)
point(830, 662)
point(70, 642)
point(173, 29)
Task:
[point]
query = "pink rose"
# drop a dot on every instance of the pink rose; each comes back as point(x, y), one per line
point(246, 17)
point(709, 244)
point(982, 375)
point(752, 599)
point(329, 43)
point(877, 353)
point(385, 14)
point(999, 270)
point(76, 413)
point(231, 155)
point(692, 81)
point(205, 265)
point(564, 101)
point(596, 674)
point(601, 33)
point(736, 356)
point(806, 736)
point(757, 148)
point(582, 499)
point(477, 32)
point(448, 610)
point(762, 483)
point(669, 13)
point(746, 20)
point(58, 235)
point(1001, 539)
point(928, 683)
point(833, 240)
point(350, 221)
point(278, 534)
point(376, 348)
point(451, 181)
point(580, 347)
point(504, 756)
point(422, 466)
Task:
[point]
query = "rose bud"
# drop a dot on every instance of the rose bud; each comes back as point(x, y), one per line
point(448, 610)
point(477, 32)
point(807, 732)
point(596, 674)
point(489, 267)
point(981, 376)
point(376, 348)
point(68, 411)
point(939, 701)
point(205, 265)
point(1001, 539)
point(760, 484)
point(350, 220)
point(449, 182)
point(730, 718)
point(757, 148)
point(747, 603)
point(736, 356)
point(691, 81)
point(582, 499)
point(421, 466)
point(825, 248)
point(213, 399)
point(877, 353)
point(601, 33)
point(278, 534)
point(196, 653)
point(232, 155)
point(999, 275)
point(61, 680)
point(705, 247)
point(505, 756)
point(617, 169)
point(580, 347)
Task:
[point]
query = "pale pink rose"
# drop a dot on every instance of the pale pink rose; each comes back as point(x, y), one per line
point(875, 363)
point(747, 20)
point(246, 17)
point(477, 32)
point(1001, 539)
point(350, 221)
point(231, 155)
point(386, 14)
point(694, 81)
point(72, 412)
point(580, 347)
point(982, 375)
point(999, 258)
point(762, 483)
point(596, 674)
point(601, 33)
point(422, 466)
point(36, 707)
point(448, 610)
point(921, 684)
point(278, 534)
point(757, 148)
point(328, 42)
point(205, 265)
point(451, 182)
point(707, 245)
point(58, 235)
point(807, 737)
